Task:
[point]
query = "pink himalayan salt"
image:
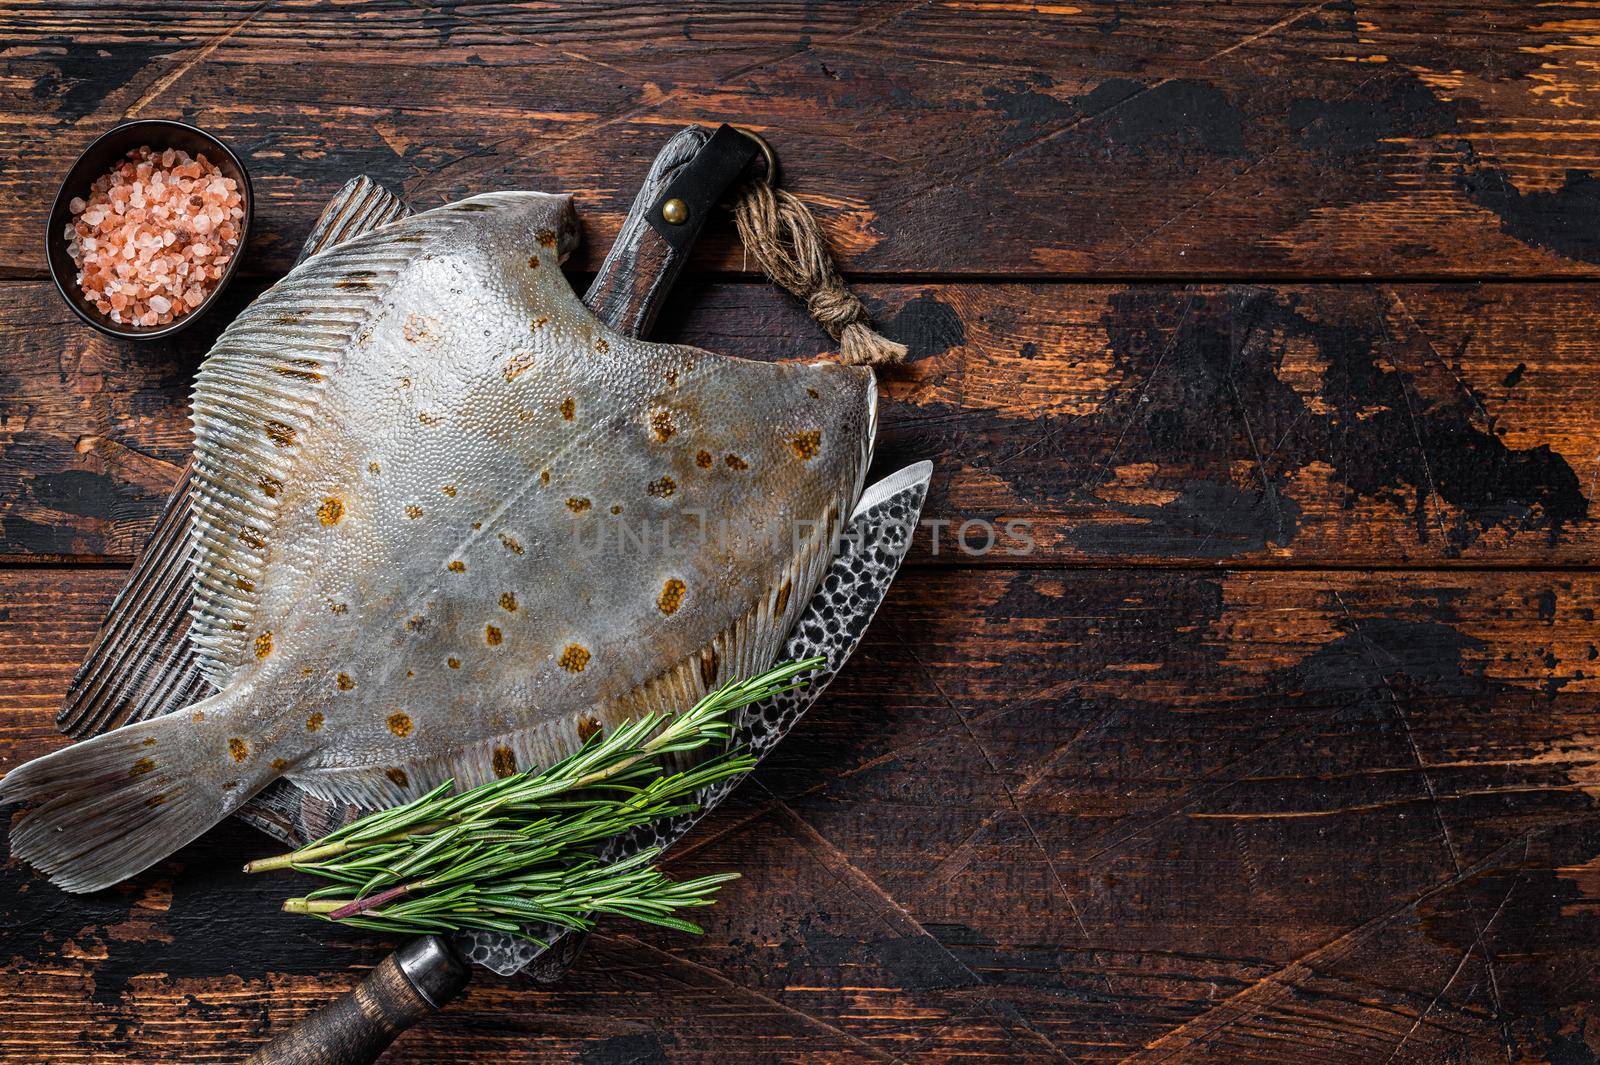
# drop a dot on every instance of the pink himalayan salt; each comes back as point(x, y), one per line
point(154, 236)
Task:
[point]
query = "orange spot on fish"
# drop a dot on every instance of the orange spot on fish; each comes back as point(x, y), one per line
point(806, 444)
point(251, 538)
point(533, 262)
point(813, 393)
point(709, 664)
point(577, 504)
point(574, 658)
point(508, 601)
point(415, 328)
point(457, 566)
point(519, 364)
point(661, 425)
point(372, 467)
point(782, 603)
point(270, 485)
point(661, 487)
point(616, 508)
point(313, 722)
point(544, 476)
point(511, 543)
point(397, 775)
point(413, 511)
point(331, 510)
point(264, 645)
point(344, 681)
point(141, 767)
point(504, 761)
point(671, 597)
point(400, 724)
point(340, 608)
point(569, 408)
point(588, 729)
point(492, 636)
point(546, 237)
point(453, 663)
point(601, 346)
point(428, 419)
point(279, 765)
point(702, 459)
point(239, 749)
point(449, 490)
point(245, 584)
point(280, 434)
point(737, 463)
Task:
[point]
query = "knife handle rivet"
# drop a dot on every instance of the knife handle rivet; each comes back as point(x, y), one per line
point(675, 212)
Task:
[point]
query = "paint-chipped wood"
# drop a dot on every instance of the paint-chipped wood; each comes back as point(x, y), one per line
point(1279, 746)
point(1106, 815)
point(1091, 138)
point(1392, 424)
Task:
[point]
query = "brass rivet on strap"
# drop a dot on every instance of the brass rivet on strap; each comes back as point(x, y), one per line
point(675, 212)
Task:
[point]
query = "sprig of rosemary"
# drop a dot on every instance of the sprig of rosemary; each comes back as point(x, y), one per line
point(518, 852)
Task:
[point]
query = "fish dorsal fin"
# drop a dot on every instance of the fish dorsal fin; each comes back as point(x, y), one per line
point(142, 664)
point(258, 395)
point(361, 206)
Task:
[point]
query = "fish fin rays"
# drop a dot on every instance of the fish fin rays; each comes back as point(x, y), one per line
point(258, 393)
point(113, 805)
point(360, 207)
point(143, 664)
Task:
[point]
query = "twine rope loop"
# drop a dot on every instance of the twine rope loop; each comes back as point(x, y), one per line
point(783, 235)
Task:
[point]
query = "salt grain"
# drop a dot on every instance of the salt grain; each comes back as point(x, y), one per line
point(134, 241)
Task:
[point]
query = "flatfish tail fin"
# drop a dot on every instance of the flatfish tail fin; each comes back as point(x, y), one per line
point(114, 805)
point(143, 664)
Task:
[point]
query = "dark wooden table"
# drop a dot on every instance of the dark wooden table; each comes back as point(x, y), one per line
point(1274, 320)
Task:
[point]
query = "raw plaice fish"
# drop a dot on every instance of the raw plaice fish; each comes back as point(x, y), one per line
point(449, 524)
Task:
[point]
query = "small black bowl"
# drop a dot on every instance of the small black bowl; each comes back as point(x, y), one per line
point(97, 159)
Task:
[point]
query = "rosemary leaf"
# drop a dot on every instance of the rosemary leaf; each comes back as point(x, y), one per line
point(517, 854)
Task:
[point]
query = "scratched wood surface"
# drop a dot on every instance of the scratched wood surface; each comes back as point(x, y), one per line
point(1090, 137)
point(1268, 732)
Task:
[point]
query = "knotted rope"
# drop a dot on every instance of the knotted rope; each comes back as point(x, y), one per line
point(782, 234)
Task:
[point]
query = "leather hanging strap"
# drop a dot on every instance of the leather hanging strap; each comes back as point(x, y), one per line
point(779, 231)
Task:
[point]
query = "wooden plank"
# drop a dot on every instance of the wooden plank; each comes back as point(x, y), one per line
point(1166, 815)
point(1288, 425)
point(1092, 138)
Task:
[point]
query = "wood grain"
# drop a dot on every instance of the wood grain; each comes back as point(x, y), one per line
point(1089, 139)
point(1044, 812)
point(1345, 425)
point(1273, 322)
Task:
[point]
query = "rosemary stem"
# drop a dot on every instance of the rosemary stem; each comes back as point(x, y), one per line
point(372, 902)
point(556, 846)
point(307, 855)
point(312, 906)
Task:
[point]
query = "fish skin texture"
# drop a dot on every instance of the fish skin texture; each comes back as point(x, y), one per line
point(450, 524)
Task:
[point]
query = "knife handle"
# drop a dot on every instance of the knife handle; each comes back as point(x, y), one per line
point(408, 985)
